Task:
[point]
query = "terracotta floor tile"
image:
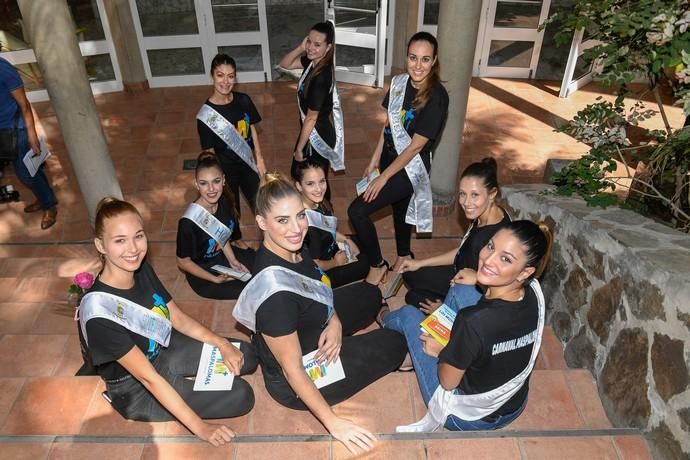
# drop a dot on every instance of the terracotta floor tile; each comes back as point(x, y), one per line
point(55, 318)
point(170, 451)
point(40, 267)
point(8, 287)
point(479, 449)
point(283, 450)
point(44, 399)
point(41, 289)
point(381, 406)
point(387, 450)
point(69, 267)
point(9, 390)
point(632, 448)
point(568, 448)
point(418, 406)
point(550, 404)
point(18, 317)
point(24, 451)
point(30, 355)
point(552, 350)
point(93, 451)
point(586, 396)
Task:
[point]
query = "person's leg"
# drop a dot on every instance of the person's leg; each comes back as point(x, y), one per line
point(230, 290)
point(249, 184)
point(427, 283)
point(346, 274)
point(462, 296)
point(38, 184)
point(356, 305)
point(403, 230)
point(406, 321)
point(228, 162)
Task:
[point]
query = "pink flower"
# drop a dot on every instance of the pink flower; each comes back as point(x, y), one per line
point(84, 280)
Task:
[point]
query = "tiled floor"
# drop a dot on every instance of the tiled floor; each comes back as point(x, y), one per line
point(149, 135)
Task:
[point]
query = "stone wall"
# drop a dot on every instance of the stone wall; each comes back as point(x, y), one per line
point(618, 296)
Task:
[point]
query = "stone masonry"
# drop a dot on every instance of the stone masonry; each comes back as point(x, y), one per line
point(618, 296)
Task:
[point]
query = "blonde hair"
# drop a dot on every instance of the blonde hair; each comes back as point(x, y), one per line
point(274, 187)
point(110, 207)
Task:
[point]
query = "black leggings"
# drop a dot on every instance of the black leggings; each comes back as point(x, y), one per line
point(239, 176)
point(365, 357)
point(396, 193)
point(428, 283)
point(226, 291)
point(175, 363)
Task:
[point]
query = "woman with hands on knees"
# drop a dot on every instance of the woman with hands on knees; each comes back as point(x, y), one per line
point(205, 235)
point(144, 346)
point(417, 105)
point(480, 379)
point(226, 124)
point(321, 135)
point(294, 313)
point(428, 280)
point(330, 249)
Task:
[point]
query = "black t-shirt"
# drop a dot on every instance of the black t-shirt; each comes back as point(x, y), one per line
point(109, 341)
point(320, 243)
point(493, 343)
point(285, 312)
point(426, 122)
point(241, 112)
point(195, 243)
point(468, 255)
point(319, 97)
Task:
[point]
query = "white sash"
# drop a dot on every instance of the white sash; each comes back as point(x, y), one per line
point(335, 155)
point(208, 223)
point(126, 313)
point(226, 131)
point(276, 279)
point(419, 211)
point(474, 407)
point(326, 223)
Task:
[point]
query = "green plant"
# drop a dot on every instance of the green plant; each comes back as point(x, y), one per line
point(639, 38)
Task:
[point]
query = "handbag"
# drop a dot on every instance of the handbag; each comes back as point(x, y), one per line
point(8, 140)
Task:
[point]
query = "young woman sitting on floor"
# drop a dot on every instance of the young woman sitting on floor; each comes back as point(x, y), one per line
point(144, 346)
point(480, 379)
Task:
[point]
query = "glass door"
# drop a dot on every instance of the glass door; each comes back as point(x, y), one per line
point(578, 72)
point(360, 36)
point(511, 42)
point(179, 39)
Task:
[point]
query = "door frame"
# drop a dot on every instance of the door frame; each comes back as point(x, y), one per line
point(577, 49)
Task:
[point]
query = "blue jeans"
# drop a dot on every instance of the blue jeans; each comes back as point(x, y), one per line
point(39, 184)
point(406, 321)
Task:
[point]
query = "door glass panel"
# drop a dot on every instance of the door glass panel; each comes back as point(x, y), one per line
point(248, 57)
point(356, 59)
point(505, 53)
point(431, 12)
point(99, 68)
point(235, 15)
point(13, 34)
point(167, 18)
point(180, 61)
point(86, 19)
point(523, 14)
point(359, 4)
point(582, 68)
point(359, 16)
point(300, 15)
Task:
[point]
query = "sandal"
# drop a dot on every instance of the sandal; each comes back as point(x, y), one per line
point(406, 365)
point(385, 309)
point(383, 278)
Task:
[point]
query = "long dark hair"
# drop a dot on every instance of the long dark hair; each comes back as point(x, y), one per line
point(207, 160)
point(298, 175)
point(487, 171)
point(328, 30)
point(222, 59)
point(434, 77)
point(537, 239)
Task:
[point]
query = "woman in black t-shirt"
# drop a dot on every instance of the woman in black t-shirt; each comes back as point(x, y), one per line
point(492, 342)
point(315, 93)
point(428, 279)
point(423, 111)
point(330, 249)
point(238, 109)
point(289, 324)
point(197, 252)
point(147, 379)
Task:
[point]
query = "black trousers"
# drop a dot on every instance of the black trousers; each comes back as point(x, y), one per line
point(346, 274)
point(177, 362)
point(396, 193)
point(365, 357)
point(428, 283)
point(226, 291)
point(239, 176)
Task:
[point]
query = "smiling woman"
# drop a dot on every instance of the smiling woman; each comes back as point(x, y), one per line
point(144, 346)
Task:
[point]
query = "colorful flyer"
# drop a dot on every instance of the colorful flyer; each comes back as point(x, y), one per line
point(343, 246)
point(242, 276)
point(439, 324)
point(322, 374)
point(213, 374)
point(364, 182)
